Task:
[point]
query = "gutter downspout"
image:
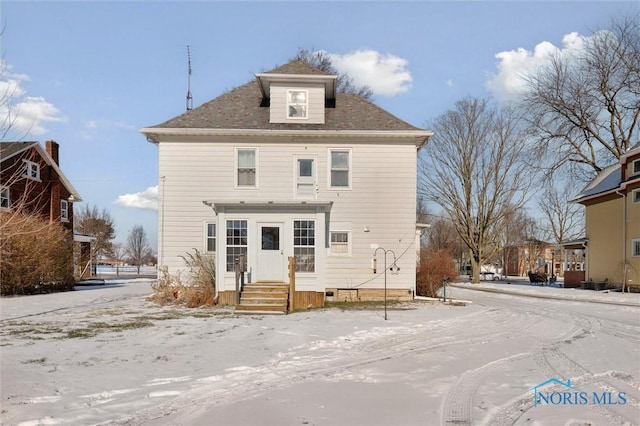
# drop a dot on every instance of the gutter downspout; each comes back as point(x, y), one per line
point(624, 237)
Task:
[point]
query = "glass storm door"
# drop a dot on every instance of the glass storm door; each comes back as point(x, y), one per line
point(270, 252)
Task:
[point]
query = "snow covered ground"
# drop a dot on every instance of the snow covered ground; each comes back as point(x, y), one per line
point(105, 355)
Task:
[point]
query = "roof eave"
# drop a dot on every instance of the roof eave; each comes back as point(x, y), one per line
point(154, 134)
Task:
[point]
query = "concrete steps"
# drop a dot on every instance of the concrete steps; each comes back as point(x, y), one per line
point(264, 298)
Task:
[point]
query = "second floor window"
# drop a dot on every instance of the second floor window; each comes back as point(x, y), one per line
point(31, 170)
point(340, 165)
point(64, 210)
point(246, 167)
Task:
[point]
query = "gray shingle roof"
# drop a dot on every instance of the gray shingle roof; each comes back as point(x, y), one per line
point(240, 109)
point(9, 149)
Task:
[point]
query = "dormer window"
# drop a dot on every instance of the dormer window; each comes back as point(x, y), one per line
point(297, 103)
point(31, 170)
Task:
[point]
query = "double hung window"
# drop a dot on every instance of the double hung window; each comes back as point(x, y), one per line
point(246, 167)
point(5, 197)
point(210, 237)
point(304, 245)
point(64, 210)
point(297, 103)
point(236, 242)
point(340, 163)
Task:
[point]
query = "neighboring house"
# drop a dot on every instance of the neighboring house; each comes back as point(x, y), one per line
point(31, 181)
point(612, 213)
point(531, 256)
point(285, 166)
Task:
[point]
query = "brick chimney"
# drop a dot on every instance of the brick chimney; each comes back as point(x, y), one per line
point(52, 149)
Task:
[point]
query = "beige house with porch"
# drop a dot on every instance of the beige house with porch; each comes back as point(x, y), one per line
point(612, 213)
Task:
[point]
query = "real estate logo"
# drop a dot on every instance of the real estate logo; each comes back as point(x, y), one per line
point(568, 395)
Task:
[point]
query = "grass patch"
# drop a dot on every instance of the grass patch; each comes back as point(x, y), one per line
point(359, 306)
point(99, 327)
point(35, 361)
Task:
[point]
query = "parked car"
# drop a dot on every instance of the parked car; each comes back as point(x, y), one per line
point(488, 276)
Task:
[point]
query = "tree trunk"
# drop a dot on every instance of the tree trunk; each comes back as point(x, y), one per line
point(475, 267)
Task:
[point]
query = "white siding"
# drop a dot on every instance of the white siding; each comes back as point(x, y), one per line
point(382, 198)
point(278, 104)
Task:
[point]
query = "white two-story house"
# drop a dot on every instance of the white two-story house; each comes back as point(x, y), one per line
point(284, 166)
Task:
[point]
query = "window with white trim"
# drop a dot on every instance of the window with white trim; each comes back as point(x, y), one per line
point(31, 170)
point(635, 167)
point(635, 247)
point(246, 167)
point(236, 242)
point(340, 167)
point(210, 237)
point(5, 197)
point(635, 196)
point(339, 243)
point(64, 210)
point(304, 242)
point(297, 104)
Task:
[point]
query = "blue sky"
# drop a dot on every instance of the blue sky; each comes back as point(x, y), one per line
point(91, 74)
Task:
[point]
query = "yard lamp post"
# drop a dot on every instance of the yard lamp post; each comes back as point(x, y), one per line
point(394, 270)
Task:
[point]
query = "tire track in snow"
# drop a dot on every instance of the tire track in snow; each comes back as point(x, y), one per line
point(323, 360)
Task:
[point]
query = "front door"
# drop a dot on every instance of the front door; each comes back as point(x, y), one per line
point(270, 253)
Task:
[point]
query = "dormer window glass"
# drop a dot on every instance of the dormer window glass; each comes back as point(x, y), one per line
point(297, 104)
point(31, 170)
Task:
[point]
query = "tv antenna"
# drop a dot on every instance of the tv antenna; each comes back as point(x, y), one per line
point(189, 97)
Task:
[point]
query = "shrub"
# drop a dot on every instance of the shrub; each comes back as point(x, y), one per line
point(201, 289)
point(434, 265)
point(35, 255)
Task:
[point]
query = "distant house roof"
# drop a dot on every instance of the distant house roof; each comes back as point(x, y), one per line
point(241, 109)
point(11, 149)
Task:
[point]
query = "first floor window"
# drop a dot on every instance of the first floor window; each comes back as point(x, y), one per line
point(211, 237)
point(64, 210)
point(635, 243)
point(236, 242)
point(339, 242)
point(5, 199)
point(304, 241)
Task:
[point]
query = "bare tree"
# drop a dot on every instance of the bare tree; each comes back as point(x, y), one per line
point(564, 219)
point(585, 108)
point(117, 252)
point(344, 84)
point(98, 224)
point(473, 168)
point(138, 248)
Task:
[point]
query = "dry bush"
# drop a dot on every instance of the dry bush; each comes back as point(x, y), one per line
point(434, 265)
point(35, 256)
point(200, 291)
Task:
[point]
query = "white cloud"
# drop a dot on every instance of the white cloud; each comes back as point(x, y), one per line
point(514, 65)
point(22, 115)
point(384, 74)
point(449, 83)
point(146, 200)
